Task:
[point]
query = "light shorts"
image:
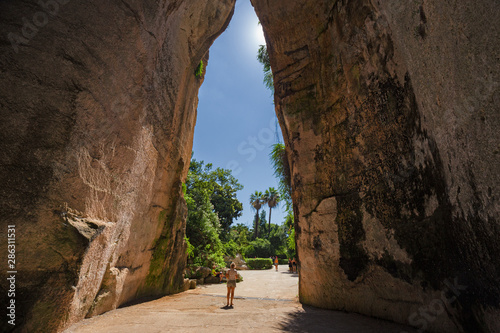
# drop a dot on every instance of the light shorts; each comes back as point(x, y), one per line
point(231, 283)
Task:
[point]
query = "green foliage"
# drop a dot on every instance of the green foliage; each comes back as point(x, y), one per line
point(278, 239)
point(222, 188)
point(240, 236)
point(271, 198)
point(192, 273)
point(259, 263)
point(262, 222)
point(263, 58)
point(223, 197)
point(291, 241)
point(275, 244)
point(231, 248)
point(279, 160)
point(258, 248)
point(189, 247)
point(203, 226)
point(256, 200)
point(198, 72)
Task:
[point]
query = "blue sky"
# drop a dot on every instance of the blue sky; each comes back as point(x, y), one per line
point(236, 123)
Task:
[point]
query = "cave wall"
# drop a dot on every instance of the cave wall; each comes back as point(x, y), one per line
point(97, 111)
point(390, 115)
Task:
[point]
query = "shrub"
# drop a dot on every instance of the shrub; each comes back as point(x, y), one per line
point(259, 263)
point(260, 248)
point(230, 248)
point(198, 72)
point(192, 272)
point(283, 261)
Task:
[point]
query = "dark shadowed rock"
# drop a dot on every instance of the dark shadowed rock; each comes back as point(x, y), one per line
point(211, 279)
point(389, 112)
point(97, 111)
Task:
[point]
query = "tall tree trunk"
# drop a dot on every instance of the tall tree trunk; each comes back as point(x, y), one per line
point(256, 231)
point(269, 231)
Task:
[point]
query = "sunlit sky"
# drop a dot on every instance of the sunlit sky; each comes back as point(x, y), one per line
point(236, 123)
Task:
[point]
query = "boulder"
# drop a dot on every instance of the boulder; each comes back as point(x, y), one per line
point(186, 285)
point(192, 284)
point(212, 279)
point(203, 272)
point(238, 260)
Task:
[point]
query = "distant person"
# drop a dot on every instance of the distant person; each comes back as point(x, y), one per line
point(294, 265)
point(217, 272)
point(276, 262)
point(289, 264)
point(231, 276)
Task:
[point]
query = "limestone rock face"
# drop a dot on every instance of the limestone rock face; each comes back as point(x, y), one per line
point(238, 260)
point(389, 111)
point(97, 112)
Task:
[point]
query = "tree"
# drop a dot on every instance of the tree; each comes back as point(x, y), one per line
point(263, 58)
point(279, 160)
point(262, 223)
point(222, 188)
point(271, 198)
point(256, 202)
point(223, 197)
point(202, 225)
point(241, 234)
point(211, 199)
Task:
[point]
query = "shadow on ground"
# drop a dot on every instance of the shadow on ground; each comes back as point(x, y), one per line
point(291, 274)
point(311, 319)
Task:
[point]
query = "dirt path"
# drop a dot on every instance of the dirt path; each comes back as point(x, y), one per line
point(266, 301)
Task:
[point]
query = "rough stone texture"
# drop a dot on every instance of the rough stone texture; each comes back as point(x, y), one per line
point(238, 260)
point(211, 279)
point(97, 111)
point(203, 272)
point(389, 111)
point(192, 284)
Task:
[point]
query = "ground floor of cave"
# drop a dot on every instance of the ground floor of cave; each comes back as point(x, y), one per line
point(266, 301)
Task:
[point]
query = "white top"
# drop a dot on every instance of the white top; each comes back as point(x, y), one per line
point(232, 274)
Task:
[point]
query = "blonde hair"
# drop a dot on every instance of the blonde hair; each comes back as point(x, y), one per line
point(233, 265)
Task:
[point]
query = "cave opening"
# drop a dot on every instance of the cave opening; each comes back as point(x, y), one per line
point(237, 130)
point(236, 124)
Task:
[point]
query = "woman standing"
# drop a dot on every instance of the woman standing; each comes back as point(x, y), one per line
point(276, 262)
point(231, 276)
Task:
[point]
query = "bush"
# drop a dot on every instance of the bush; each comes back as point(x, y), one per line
point(283, 261)
point(259, 263)
point(230, 248)
point(198, 72)
point(259, 248)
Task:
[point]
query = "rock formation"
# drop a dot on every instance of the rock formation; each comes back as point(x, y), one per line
point(390, 114)
point(97, 112)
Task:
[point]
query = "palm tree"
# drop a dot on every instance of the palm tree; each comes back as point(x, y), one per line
point(271, 198)
point(256, 202)
point(279, 161)
point(263, 58)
